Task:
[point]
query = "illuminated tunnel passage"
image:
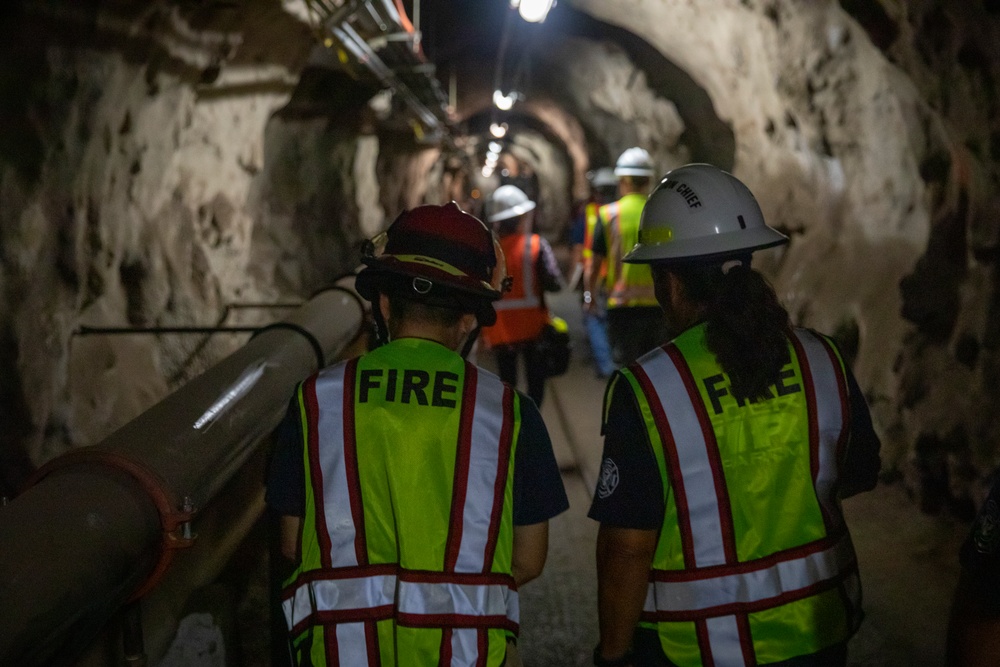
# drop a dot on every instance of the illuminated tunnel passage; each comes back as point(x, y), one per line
point(166, 163)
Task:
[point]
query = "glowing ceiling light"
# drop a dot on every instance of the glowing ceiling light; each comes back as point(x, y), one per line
point(534, 11)
point(498, 130)
point(503, 102)
point(495, 146)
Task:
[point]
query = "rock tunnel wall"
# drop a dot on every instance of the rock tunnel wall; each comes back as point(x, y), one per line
point(164, 166)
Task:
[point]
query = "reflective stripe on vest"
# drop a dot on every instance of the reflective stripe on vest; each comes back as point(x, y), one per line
point(417, 599)
point(529, 297)
point(346, 594)
point(715, 590)
point(627, 284)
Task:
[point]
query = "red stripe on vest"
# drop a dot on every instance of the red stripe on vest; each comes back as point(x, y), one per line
point(735, 608)
point(371, 639)
point(673, 464)
point(503, 460)
point(446, 621)
point(315, 470)
point(811, 410)
point(704, 644)
point(351, 464)
point(462, 456)
point(332, 649)
point(714, 458)
point(746, 640)
point(714, 571)
point(444, 660)
point(481, 636)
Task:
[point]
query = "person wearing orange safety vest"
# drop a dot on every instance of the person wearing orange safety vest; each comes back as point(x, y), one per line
point(726, 453)
point(414, 489)
point(635, 322)
point(522, 313)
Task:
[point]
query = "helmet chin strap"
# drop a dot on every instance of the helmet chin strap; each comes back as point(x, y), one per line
point(381, 327)
point(471, 340)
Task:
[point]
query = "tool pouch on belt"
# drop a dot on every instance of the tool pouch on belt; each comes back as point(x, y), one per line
point(556, 346)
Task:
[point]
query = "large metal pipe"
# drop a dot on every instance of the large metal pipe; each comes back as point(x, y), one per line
point(78, 543)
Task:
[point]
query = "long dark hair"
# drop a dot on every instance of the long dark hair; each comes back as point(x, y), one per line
point(747, 327)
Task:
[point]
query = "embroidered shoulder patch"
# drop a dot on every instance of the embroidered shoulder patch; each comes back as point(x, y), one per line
point(609, 479)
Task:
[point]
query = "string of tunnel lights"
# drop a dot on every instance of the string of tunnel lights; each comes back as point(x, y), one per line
point(532, 11)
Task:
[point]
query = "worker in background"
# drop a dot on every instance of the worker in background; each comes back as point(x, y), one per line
point(522, 313)
point(974, 628)
point(415, 499)
point(635, 321)
point(603, 189)
point(726, 453)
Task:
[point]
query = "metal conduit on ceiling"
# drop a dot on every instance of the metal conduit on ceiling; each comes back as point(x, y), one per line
point(380, 37)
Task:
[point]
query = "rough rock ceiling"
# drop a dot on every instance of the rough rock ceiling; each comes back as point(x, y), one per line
point(165, 159)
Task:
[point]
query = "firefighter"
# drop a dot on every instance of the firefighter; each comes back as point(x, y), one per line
point(522, 314)
point(726, 453)
point(416, 490)
point(634, 320)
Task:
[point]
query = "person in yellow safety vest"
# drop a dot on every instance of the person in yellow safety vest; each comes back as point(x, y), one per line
point(414, 489)
point(522, 313)
point(603, 189)
point(635, 321)
point(726, 453)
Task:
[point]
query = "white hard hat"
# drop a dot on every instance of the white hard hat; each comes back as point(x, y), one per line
point(700, 212)
point(508, 201)
point(602, 178)
point(634, 161)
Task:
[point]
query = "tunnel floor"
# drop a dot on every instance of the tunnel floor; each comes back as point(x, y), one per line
point(908, 560)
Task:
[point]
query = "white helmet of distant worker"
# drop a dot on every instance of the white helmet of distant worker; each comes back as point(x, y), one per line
point(635, 161)
point(700, 213)
point(507, 201)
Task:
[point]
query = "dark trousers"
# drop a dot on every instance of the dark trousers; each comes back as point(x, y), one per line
point(635, 330)
point(534, 366)
point(647, 653)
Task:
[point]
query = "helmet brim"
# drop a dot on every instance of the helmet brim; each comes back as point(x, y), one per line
point(634, 171)
point(706, 248)
point(512, 212)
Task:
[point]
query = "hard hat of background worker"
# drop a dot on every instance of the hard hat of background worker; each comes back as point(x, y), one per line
point(506, 202)
point(634, 161)
point(438, 255)
point(602, 177)
point(699, 212)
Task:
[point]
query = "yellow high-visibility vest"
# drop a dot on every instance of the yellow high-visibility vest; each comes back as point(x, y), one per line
point(754, 563)
point(407, 537)
point(627, 284)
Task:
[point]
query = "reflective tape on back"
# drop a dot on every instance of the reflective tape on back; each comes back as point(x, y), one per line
point(336, 491)
point(724, 641)
point(773, 579)
point(358, 594)
point(487, 427)
point(352, 644)
point(829, 417)
point(453, 602)
point(692, 454)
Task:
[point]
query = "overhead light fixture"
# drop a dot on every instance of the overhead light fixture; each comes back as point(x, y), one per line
point(495, 146)
point(533, 11)
point(503, 102)
point(498, 130)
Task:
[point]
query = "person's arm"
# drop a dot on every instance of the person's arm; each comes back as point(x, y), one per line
point(285, 493)
point(862, 463)
point(629, 503)
point(531, 548)
point(624, 558)
point(592, 276)
point(547, 268)
point(288, 539)
point(538, 493)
